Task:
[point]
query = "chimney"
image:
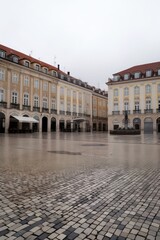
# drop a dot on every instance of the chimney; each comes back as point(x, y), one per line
point(68, 73)
point(58, 66)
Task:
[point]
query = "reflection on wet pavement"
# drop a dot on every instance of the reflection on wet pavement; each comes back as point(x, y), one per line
point(79, 186)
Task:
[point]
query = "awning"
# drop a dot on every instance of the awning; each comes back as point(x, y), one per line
point(78, 120)
point(26, 119)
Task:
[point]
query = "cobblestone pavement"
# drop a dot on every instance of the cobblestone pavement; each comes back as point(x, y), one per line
point(98, 201)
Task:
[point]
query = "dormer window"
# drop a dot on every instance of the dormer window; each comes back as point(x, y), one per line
point(116, 78)
point(37, 67)
point(2, 54)
point(137, 75)
point(158, 72)
point(62, 76)
point(148, 73)
point(15, 59)
point(26, 63)
point(126, 76)
point(45, 70)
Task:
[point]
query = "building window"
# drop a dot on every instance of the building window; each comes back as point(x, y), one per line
point(26, 99)
point(45, 103)
point(26, 81)
point(36, 101)
point(1, 74)
point(126, 91)
point(148, 103)
point(74, 95)
point(68, 92)
point(1, 95)
point(137, 75)
point(148, 88)
point(45, 70)
point(14, 78)
point(148, 73)
point(14, 97)
point(136, 104)
point(158, 88)
point(126, 76)
point(158, 72)
point(45, 86)
point(80, 108)
point(115, 92)
point(116, 78)
point(136, 90)
point(2, 54)
point(61, 105)
point(15, 59)
point(53, 88)
point(115, 106)
point(61, 91)
point(53, 103)
point(68, 107)
point(74, 108)
point(126, 106)
point(26, 64)
point(37, 67)
point(36, 84)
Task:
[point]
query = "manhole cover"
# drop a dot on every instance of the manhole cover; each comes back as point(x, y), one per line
point(65, 152)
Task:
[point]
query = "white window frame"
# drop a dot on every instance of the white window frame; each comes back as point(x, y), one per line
point(45, 86)
point(36, 101)
point(126, 91)
point(1, 95)
point(45, 102)
point(136, 90)
point(14, 97)
point(148, 88)
point(2, 74)
point(26, 99)
point(148, 103)
point(115, 106)
point(15, 78)
point(26, 81)
point(126, 106)
point(115, 93)
point(36, 83)
point(53, 88)
point(53, 103)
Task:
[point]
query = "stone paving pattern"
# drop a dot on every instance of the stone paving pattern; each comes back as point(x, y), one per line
point(98, 203)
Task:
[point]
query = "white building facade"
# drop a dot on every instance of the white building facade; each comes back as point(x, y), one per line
point(136, 91)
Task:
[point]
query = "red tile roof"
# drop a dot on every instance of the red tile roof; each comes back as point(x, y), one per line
point(140, 68)
point(23, 56)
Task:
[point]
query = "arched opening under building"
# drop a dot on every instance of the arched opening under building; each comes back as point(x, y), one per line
point(158, 124)
point(68, 126)
point(35, 126)
point(61, 125)
point(13, 125)
point(2, 122)
point(25, 125)
point(116, 124)
point(137, 123)
point(104, 127)
point(148, 125)
point(53, 124)
point(94, 127)
point(99, 126)
point(44, 124)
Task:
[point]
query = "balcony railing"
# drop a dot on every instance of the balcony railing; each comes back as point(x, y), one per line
point(54, 111)
point(115, 112)
point(45, 110)
point(148, 110)
point(14, 105)
point(68, 113)
point(3, 104)
point(36, 109)
point(126, 111)
point(26, 107)
point(80, 114)
point(137, 111)
point(62, 112)
point(74, 114)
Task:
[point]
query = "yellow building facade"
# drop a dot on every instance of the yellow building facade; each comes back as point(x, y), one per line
point(35, 96)
point(136, 91)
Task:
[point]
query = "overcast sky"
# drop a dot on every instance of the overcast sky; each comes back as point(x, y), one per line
point(90, 38)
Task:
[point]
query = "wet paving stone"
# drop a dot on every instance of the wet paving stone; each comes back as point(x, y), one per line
point(100, 201)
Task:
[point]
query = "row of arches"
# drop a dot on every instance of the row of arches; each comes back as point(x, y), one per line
point(43, 124)
point(148, 124)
